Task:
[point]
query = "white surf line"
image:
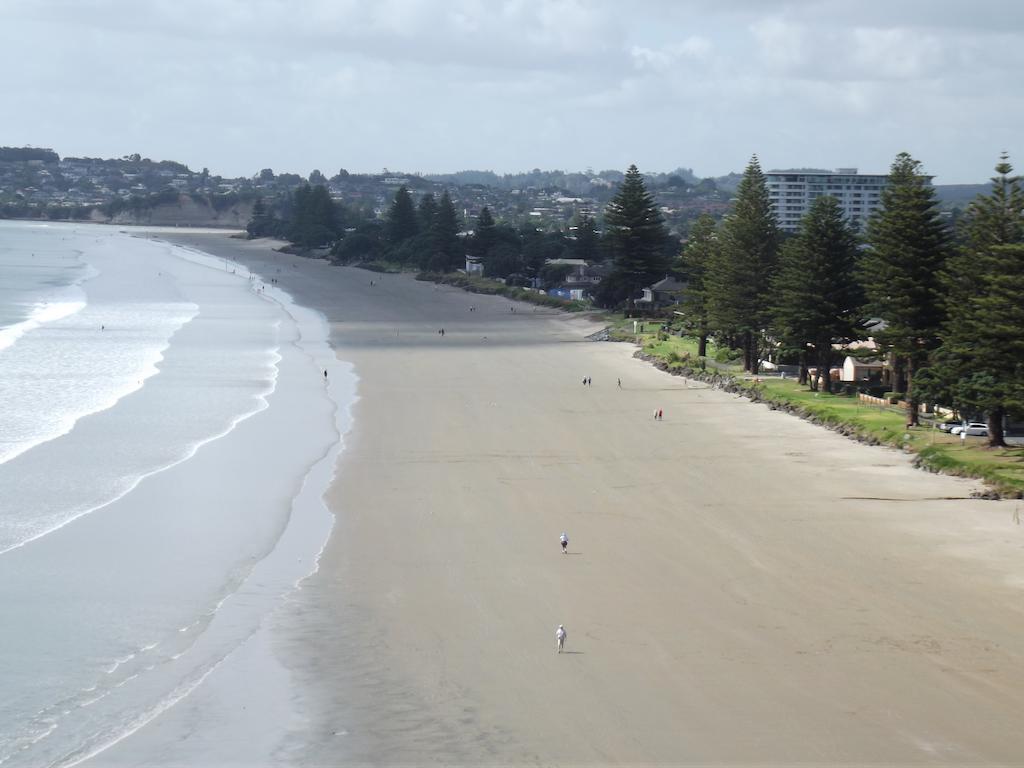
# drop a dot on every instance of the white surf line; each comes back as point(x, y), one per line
point(326, 464)
point(192, 450)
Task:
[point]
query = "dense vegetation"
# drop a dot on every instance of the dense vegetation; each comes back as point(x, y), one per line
point(942, 303)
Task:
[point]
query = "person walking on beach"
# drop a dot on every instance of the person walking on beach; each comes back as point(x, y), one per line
point(325, 373)
point(620, 383)
point(560, 636)
point(565, 543)
point(661, 414)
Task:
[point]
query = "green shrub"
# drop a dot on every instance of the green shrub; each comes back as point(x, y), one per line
point(726, 355)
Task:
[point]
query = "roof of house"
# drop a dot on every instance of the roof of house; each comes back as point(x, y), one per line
point(866, 363)
point(668, 285)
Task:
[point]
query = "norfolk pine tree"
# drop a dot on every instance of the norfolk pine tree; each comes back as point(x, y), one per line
point(587, 242)
point(636, 232)
point(444, 235)
point(426, 211)
point(900, 271)
point(485, 236)
point(402, 223)
point(695, 257)
point(815, 295)
point(980, 365)
point(739, 274)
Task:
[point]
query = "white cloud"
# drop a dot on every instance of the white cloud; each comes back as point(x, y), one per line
point(693, 48)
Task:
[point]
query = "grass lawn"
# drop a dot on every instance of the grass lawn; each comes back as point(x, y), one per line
point(1003, 468)
point(672, 349)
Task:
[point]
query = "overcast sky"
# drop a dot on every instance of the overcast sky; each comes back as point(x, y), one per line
point(509, 85)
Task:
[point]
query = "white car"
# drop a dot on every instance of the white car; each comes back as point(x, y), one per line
point(975, 429)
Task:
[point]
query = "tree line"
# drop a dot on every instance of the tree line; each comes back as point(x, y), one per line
point(428, 234)
point(944, 303)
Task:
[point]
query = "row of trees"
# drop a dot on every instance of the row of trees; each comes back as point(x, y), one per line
point(947, 306)
point(427, 234)
point(308, 217)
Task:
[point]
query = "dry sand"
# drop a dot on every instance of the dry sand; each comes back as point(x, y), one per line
point(742, 587)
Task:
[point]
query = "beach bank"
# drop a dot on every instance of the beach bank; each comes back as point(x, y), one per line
point(742, 587)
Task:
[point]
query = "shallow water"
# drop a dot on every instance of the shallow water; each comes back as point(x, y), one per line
point(163, 448)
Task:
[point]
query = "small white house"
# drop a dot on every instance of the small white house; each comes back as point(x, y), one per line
point(860, 370)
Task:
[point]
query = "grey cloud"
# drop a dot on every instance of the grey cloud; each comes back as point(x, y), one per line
point(509, 84)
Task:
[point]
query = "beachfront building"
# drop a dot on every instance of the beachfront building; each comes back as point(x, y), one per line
point(792, 192)
point(664, 293)
point(581, 279)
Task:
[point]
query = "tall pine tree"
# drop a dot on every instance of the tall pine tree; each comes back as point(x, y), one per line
point(587, 241)
point(980, 364)
point(815, 295)
point(696, 256)
point(485, 235)
point(402, 223)
point(907, 250)
point(426, 211)
point(738, 276)
point(636, 233)
point(444, 234)
point(314, 217)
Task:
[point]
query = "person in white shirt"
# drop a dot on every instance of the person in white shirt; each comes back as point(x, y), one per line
point(565, 542)
point(560, 637)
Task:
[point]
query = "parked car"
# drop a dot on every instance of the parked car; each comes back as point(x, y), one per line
point(946, 426)
point(974, 429)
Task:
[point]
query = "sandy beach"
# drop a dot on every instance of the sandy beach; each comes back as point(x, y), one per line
point(741, 587)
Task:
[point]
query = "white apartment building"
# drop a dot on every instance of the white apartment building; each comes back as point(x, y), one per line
point(792, 192)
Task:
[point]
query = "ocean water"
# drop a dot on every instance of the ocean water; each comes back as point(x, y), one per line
point(166, 435)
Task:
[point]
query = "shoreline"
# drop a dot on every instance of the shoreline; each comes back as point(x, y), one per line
point(281, 573)
point(748, 587)
point(169, 524)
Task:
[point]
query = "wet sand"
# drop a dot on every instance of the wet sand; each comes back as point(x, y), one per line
point(741, 587)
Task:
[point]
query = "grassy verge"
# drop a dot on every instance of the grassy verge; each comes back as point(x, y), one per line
point(483, 285)
point(678, 352)
point(1002, 469)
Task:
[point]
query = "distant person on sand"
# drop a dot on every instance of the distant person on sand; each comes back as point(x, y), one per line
point(325, 373)
point(565, 543)
point(560, 636)
point(661, 414)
